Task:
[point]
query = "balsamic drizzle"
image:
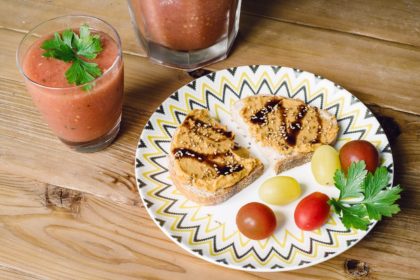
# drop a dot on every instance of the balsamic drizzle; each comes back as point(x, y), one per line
point(220, 169)
point(292, 131)
point(260, 117)
point(296, 126)
point(199, 123)
point(318, 133)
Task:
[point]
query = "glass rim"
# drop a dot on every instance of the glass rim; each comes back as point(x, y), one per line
point(31, 31)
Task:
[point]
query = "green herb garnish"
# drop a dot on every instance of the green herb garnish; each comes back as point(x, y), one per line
point(364, 196)
point(71, 47)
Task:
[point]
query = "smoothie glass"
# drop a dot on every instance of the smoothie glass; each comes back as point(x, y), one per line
point(185, 34)
point(84, 117)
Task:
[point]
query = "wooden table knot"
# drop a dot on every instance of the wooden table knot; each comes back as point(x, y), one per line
point(57, 197)
point(356, 269)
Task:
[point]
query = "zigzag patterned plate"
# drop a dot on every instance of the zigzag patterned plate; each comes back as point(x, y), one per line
point(210, 232)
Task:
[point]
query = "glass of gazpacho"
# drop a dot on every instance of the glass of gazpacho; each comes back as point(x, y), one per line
point(73, 69)
point(186, 34)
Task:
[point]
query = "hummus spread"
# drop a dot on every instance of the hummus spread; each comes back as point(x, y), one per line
point(287, 125)
point(206, 156)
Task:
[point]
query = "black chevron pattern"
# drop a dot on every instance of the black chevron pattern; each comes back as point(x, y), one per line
point(211, 76)
point(175, 96)
point(139, 163)
point(160, 110)
point(326, 254)
point(182, 224)
point(198, 251)
point(149, 126)
point(232, 71)
point(222, 261)
point(275, 69)
point(192, 84)
point(141, 184)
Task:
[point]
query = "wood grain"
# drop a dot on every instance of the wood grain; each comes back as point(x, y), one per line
point(394, 21)
point(23, 15)
point(8, 273)
point(366, 66)
point(26, 137)
point(87, 237)
point(66, 215)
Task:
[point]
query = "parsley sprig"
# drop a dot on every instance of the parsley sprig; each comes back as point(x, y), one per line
point(364, 196)
point(71, 47)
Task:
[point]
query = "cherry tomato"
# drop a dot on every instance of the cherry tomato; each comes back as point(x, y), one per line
point(312, 211)
point(357, 150)
point(324, 163)
point(256, 220)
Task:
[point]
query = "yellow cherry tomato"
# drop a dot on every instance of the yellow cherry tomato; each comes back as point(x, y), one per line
point(279, 190)
point(324, 163)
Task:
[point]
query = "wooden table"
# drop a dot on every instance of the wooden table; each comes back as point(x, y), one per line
point(66, 215)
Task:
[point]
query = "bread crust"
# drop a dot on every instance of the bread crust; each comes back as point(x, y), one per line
point(291, 161)
point(205, 197)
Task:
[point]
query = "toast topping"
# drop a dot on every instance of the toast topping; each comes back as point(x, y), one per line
point(206, 156)
point(196, 124)
point(220, 169)
point(260, 117)
point(288, 125)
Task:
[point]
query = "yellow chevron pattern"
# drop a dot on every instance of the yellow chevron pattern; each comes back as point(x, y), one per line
point(207, 225)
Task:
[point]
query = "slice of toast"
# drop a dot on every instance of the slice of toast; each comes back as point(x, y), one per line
point(286, 131)
point(205, 164)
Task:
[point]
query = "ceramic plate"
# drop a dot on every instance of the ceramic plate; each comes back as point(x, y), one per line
point(210, 232)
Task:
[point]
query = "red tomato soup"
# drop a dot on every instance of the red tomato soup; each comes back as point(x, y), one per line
point(76, 115)
point(184, 25)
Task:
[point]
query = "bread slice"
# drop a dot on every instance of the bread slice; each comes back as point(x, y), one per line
point(205, 164)
point(285, 131)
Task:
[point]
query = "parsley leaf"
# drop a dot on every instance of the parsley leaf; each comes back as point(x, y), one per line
point(352, 216)
point(87, 45)
point(82, 72)
point(56, 48)
point(378, 200)
point(68, 38)
point(351, 187)
point(364, 196)
point(355, 217)
point(77, 49)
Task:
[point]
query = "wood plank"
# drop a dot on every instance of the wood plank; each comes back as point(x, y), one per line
point(27, 142)
point(365, 66)
point(385, 20)
point(50, 232)
point(395, 21)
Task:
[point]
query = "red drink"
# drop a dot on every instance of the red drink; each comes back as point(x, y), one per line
point(186, 34)
point(85, 119)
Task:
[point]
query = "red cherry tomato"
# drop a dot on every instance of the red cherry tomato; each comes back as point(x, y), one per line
point(357, 150)
point(312, 211)
point(256, 220)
